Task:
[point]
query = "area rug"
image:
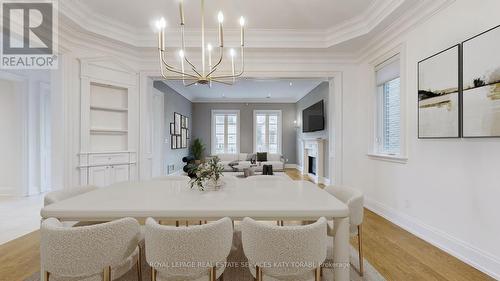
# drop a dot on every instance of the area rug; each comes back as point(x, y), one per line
point(237, 273)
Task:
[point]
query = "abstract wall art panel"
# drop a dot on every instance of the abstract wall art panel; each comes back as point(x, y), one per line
point(439, 95)
point(481, 85)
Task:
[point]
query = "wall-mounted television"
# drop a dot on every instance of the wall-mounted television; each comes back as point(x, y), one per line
point(313, 118)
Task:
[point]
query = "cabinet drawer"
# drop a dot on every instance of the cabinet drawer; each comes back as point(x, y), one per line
point(108, 159)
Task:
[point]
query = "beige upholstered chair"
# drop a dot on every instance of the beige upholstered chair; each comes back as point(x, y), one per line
point(200, 252)
point(96, 252)
point(59, 195)
point(55, 196)
point(354, 200)
point(266, 245)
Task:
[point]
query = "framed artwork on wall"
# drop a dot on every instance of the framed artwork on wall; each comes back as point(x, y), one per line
point(481, 85)
point(439, 99)
point(177, 122)
point(179, 131)
point(172, 129)
point(173, 142)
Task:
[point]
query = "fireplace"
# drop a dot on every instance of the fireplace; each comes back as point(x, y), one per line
point(312, 165)
point(313, 159)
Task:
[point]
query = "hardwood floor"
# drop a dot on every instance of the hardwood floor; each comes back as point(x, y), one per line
point(394, 252)
point(399, 255)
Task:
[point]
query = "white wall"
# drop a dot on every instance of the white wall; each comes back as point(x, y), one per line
point(11, 138)
point(448, 191)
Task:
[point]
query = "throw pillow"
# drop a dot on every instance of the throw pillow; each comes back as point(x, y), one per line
point(262, 156)
point(249, 157)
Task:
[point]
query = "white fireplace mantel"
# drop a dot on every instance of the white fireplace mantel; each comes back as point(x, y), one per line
point(314, 148)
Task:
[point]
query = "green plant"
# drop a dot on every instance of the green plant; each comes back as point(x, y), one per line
point(209, 172)
point(197, 149)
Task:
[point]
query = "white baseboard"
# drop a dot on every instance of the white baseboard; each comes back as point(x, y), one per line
point(291, 166)
point(462, 250)
point(326, 181)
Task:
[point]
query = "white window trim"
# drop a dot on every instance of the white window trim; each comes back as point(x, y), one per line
point(280, 128)
point(400, 53)
point(212, 141)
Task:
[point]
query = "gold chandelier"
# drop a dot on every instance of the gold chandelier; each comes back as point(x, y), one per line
point(204, 75)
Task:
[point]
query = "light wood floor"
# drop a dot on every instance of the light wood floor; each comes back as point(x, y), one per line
point(395, 253)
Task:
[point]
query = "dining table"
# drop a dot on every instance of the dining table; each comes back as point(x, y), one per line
point(270, 200)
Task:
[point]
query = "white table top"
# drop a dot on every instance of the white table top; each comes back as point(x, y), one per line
point(175, 200)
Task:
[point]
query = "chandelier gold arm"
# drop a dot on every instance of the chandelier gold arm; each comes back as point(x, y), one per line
point(236, 75)
point(172, 69)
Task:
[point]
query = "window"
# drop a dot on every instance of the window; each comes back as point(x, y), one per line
point(267, 131)
point(388, 140)
point(225, 131)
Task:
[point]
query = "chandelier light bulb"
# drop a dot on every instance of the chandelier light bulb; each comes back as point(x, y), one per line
point(209, 47)
point(242, 21)
point(181, 54)
point(232, 52)
point(161, 24)
point(220, 17)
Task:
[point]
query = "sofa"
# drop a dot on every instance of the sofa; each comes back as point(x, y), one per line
point(274, 159)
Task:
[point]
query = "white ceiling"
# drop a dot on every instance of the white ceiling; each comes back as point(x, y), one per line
point(265, 14)
point(248, 90)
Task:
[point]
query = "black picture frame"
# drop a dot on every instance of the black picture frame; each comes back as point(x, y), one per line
point(177, 122)
point(173, 141)
point(465, 88)
point(459, 93)
point(179, 131)
point(172, 129)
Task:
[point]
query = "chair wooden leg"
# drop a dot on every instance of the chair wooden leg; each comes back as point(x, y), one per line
point(46, 276)
point(258, 273)
point(177, 223)
point(187, 223)
point(317, 274)
point(106, 274)
point(153, 274)
point(360, 249)
point(213, 273)
point(139, 264)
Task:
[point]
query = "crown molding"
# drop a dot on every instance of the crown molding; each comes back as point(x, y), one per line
point(391, 36)
point(362, 24)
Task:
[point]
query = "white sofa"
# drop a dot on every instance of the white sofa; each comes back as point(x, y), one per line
point(274, 159)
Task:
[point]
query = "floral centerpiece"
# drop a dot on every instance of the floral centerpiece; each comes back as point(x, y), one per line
point(208, 175)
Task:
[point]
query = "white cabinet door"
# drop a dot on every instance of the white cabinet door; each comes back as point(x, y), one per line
point(120, 173)
point(99, 176)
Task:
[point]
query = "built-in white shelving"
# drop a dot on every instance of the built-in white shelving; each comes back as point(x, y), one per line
point(109, 122)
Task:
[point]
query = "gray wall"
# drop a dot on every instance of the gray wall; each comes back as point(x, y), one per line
point(174, 102)
point(319, 93)
point(202, 113)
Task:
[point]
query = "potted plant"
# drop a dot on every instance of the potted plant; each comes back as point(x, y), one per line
point(208, 175)
point(197, 149)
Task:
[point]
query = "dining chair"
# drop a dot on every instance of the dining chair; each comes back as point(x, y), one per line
point(285, 253)
point(103, 251)
point(199, 251)
point(59, 195)
point(354, 199)
point(56, 196)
